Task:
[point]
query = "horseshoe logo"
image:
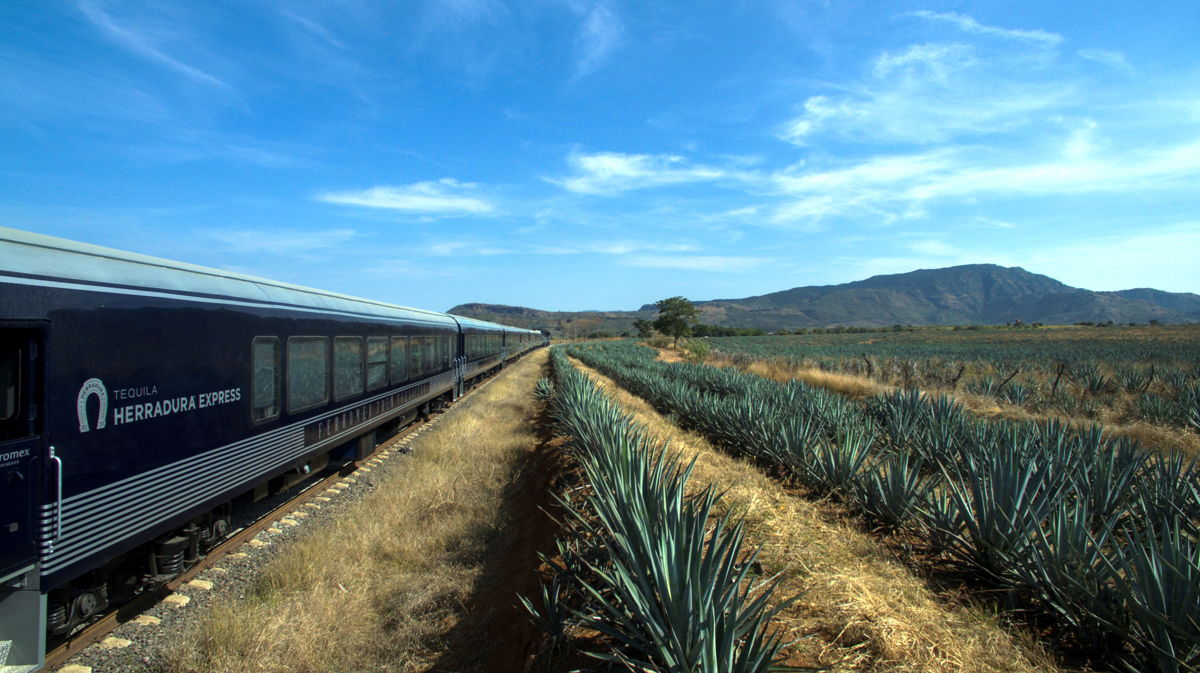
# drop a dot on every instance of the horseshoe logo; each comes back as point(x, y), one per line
point(92, 387)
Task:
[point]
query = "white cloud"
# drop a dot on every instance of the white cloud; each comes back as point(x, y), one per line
point(599, 36)
point(281, 241)
point(717, 263)
point(938, 60)
point(613, 172)
point(465, 249)
point(1114, 59)
point(313, 28)
point(933, 92)
point(999, 224)
point(614, 248)
point(970, 25)
point(899, 186)
point(443, 197)
point(935, 248)
point(141, 42)
point(1140, 170)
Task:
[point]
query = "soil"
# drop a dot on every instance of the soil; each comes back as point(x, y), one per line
point(668, 355)
point(497, 634)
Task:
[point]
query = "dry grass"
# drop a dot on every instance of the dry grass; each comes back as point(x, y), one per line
point(1153, 437)
point(860, 610)
point(413, 576)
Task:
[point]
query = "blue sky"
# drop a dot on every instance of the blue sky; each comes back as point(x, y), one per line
point(571, 154)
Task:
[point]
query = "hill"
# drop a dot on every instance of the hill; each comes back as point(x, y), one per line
point(560, 323)
point(973, 294)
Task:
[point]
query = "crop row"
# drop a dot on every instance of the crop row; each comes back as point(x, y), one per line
point(1089, 533)
point(654, 570)
point(1159, 386)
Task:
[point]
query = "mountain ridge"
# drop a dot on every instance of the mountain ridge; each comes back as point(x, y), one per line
point(970, 294)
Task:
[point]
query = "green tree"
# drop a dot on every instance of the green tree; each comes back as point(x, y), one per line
point(645, 328)
point(676, 316)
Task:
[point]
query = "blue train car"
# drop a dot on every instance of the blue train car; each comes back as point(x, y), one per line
point(139, 397)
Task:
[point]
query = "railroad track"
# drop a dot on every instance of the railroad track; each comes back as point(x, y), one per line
point(102, 627)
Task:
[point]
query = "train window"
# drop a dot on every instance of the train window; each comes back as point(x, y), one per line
point(447, 352)
point(307, 372)
point(265, 378)
point(377, 362)
point(415, 351)
point(10, 380)
point(399, 359)
point(347, 367)
point(431, 360)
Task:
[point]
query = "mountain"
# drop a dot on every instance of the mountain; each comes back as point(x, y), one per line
point(959, 295)
point(560, 323)
point(1184, 302)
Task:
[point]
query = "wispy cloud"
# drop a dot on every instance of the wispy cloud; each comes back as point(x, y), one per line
point(900, 185)
point(285, 242)
point(924, 95)
point(613, 172)
point(970, 25)
point(933, 92)
point(443, 197)
point(143, 41)
point(716, 263)
point(1114, 59)
point(313, 28)
point(474, 247)
point(465, 249)
point(599, 36)
point(611, 248)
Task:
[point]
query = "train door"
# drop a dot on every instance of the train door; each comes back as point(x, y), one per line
point(22, 467)
point(20, 448)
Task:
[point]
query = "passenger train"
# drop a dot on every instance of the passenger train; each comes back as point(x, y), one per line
point(139, 397)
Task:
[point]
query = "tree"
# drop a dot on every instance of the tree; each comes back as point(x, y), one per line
point(645, 328)
point(676, 316)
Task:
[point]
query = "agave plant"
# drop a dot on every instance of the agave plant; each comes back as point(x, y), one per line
point(1066, 572)
point(665, 578)
point(1090, 379)
point(1000, 502)
point(544, 389)
point(1189, 405)
point(1016, 393)
point(835, 466)
point(986, 386)
point(1156, 409)
point(1133, 379)
point(1158, 575)
point(1058, 516)
point(891, 491)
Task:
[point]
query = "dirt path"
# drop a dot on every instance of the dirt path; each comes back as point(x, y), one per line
point(495, 633)
point(860, 609)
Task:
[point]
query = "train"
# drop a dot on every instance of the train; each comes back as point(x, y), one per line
point(139, 397)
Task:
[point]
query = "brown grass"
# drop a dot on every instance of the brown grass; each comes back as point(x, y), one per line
point(1152, 437)
point(416, 576)
point(860, 610)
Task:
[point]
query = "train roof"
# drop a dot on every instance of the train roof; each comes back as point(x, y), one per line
point(483, 324)
point(43, 256)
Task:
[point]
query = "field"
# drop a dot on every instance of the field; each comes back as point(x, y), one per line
point(637, 514)
point(1112, 374)
point(1089, 539)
